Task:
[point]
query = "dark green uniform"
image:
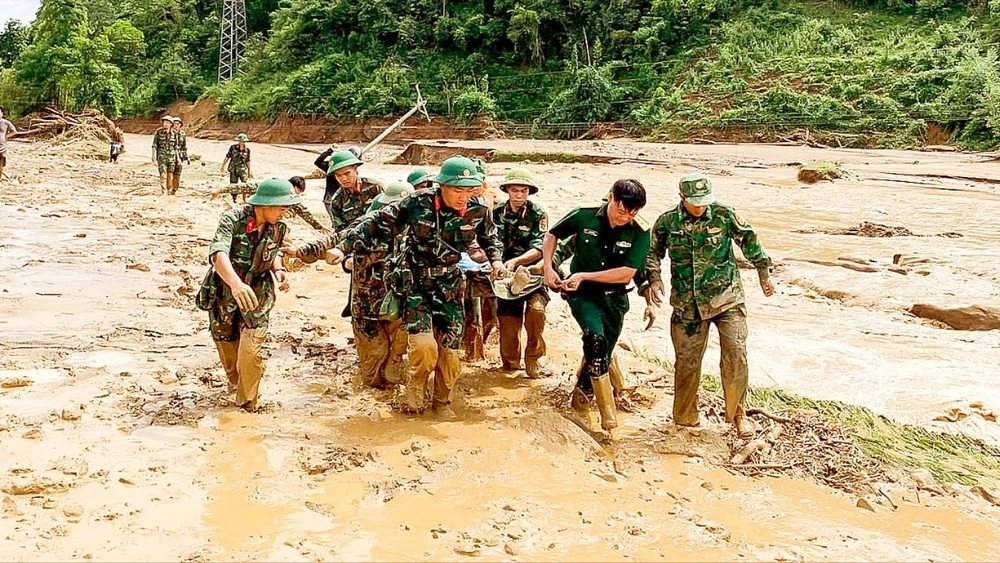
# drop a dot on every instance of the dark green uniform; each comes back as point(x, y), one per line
point(600, 308)
point(298, 210)
point(435, 239)
point(239, 164)
point(164, 141)
point(346, 206)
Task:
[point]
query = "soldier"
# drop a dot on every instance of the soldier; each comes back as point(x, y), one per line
point(323, 163)
point(521, 224)
point(238, 291)
point(479, 302)
point(705, 288)
point(164, 154)
point(440, 222)
point(181, 154)
point(238, 158)
point(420, 179)
point(299, 209)
point(381, 343)
point(7, 129)
point(611, 245)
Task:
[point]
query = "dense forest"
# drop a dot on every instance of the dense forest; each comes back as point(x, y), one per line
point(889, 68)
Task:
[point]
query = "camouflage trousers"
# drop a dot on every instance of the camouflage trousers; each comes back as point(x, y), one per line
point(166, 163)
point(381, 346)
point(480, 306)
point(435, 306)
point(244, 365)
point(690, 339)
point(529, 313)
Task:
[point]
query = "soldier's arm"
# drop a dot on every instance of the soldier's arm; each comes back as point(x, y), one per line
point(657, 250)
point(321, 162)
point(314, 250)
point(746, 238)
point(533, 253)
point(336, 213)
point(382, 225)
point(489, 241)
point(304, 214)
point(236, 189)
point(562, 230)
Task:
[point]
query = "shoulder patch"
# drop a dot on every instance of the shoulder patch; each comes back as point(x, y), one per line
point(641, 223)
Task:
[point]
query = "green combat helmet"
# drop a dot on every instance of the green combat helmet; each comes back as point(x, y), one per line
point(696, 189)
point(394, 192)
point(519, 177)
point(341, 160)
point(480, 169)
point(458, 172)
point(419, 176)
point(243, 138)
point(276, 192)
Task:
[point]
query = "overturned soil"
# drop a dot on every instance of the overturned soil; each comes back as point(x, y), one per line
point(121, 441)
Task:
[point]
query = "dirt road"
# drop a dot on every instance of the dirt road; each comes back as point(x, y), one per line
point(119, 446)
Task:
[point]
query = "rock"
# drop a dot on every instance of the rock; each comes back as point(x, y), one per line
point(863, 503)
point(70, 414)
point(508, 508)
point(72, 510)
point(708, 486)
point(49, 504)
point(973, 317)
point(168, 379)
point(815, 171)
point(33, 434)
point(510, 549)
point(33, 485)
point(12, 382)
point(10, 506)
point(468, 550)
point(140, 267)
point(80, 235)
point(71, 466)
point(985, 495)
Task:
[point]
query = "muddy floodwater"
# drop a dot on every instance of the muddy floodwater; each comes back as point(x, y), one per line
point(120, 446)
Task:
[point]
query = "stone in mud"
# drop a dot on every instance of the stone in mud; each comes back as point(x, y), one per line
point(71, 466)
point(72, 510)
point(863, 503)
point(973, 317)
point(14, 382)
point(698, 443)
point(815, 171)
point(34, 485)
point(139, 267)
point(49, 504)
point(10, 506)
point(469, 550)
point(510, 549)
point(70, 414)
point(33, 434)
point(985, 495)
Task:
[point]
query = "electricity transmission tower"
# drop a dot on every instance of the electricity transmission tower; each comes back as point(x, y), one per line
point(232, 41)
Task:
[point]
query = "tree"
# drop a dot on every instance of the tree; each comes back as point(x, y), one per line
point(13, 40)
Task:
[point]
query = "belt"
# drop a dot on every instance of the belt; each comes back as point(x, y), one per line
point(439, 271)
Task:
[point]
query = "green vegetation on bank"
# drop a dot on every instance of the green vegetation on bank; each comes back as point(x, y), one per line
point(882, 72)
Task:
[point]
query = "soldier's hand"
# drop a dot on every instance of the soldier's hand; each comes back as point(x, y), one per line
point(349, 264)
point(572, 283)
point(334, 256)
point(649, 315)
point(245, 298)
point(655, 293)
point(290, 251)
point(551, 279)
point(767, 287)
point(500, 270)
point(511, 265)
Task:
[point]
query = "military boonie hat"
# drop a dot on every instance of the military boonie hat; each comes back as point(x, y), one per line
point(178, 120)
point(343, 159)
point(276, 192)
point(458, 172)
point(394, 192)
point(696, 189)
point(419, 176)
point(166, 118)
point(519, 177)
point(243, 137)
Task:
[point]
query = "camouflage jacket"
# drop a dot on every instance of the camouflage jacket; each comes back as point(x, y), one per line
point(251, 254)
point(347, 205)
point(704, 278)
point(239, 160)
point(298, 209)
point(371, 262)
point(436, 234)
point(522, 230)
point(163, 142)
point(180, 145)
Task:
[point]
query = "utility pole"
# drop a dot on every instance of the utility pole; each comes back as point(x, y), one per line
point(232, 40)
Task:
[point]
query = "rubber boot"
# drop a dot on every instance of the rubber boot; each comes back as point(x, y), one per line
point(448, 369)
point(616, 375)
point(423, 356)
point(395, 368)
point(579, 399)
point(510, 342)
point(534, 324)
point(228, 352)
point(605, 401)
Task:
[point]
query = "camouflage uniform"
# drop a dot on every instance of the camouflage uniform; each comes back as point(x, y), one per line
point(705, 288)
point(298, 210)
point(180, 157)
point(237, 335)
point(478, 302)
point(520, 231)
point(166, 157)
point(429, 280)
point(345, 206)
point(239, 164)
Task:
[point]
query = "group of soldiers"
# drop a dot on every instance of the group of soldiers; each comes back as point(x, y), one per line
point(417, 250)
point(169, 153)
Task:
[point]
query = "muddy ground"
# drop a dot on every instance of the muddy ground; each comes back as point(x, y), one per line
point(120, 444)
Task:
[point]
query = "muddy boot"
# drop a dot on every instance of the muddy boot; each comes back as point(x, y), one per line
point(616, 375)
point(423, 356)
point(228, 352)
point(580, 399)
point(395, 367)
point(448, 370)
point(373, 352)
point(605, 401)
point(534, 324)
point(531, 369)
point(176, 184)
point(744, 427)
point(510, 342)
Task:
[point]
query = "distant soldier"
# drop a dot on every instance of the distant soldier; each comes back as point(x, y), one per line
point(611, 246)
point(381, 342)
point(239, 290)
point(238, 159)
point(521, 225)
point(181, 154)
point(323, 163)
point(439, 223)
point(117, 148)
point(7, 129)
point(420, 179)
point(705, 289)
point(164, 153)
point(299, 209)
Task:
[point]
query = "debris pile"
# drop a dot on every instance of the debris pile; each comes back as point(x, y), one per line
point(61, 127)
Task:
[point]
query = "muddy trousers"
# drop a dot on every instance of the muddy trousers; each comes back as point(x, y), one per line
point(426, 356)
point(381, 346)
point(690, 339)
point(480, 319)
point(175, 181)
point(528, 312)
point(244, 365)
point(166, 181)
point(600, 316)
